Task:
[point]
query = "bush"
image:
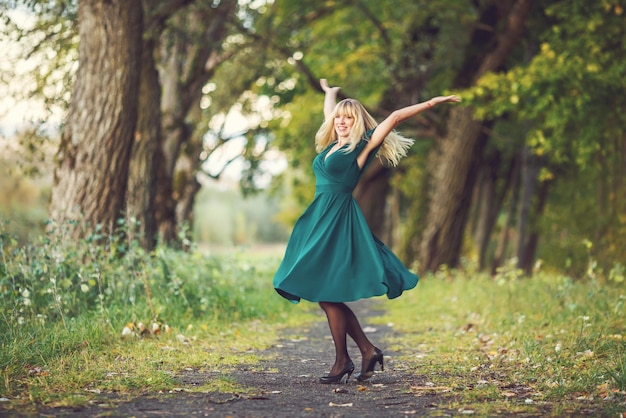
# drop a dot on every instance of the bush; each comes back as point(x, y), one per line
point(56, 293)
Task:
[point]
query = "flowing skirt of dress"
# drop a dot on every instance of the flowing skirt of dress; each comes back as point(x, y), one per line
point(332, 256)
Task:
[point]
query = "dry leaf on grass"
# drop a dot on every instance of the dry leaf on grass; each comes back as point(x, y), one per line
point(138, 329)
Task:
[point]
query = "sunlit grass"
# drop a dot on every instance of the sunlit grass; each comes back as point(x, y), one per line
point(536, 345)
point(129, 367)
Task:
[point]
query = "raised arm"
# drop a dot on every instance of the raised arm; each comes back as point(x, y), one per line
point(395, 118)
point(400, 115)
point(330, 97)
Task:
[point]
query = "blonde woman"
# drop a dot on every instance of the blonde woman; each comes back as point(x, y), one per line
point(332, 257)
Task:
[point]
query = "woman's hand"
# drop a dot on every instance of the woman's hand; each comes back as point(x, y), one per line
point(443, 99)
point(327, 88)
point(330, 97)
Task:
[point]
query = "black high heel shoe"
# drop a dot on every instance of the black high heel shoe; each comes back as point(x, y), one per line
point(334, 378)
point(369, 370)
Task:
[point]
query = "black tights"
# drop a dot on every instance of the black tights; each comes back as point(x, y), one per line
point(342, 322)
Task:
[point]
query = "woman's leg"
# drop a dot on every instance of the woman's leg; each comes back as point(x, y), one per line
point(338, 330)
point(355, 331)
point(342, 321)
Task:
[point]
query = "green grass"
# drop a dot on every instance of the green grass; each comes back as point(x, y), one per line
point(64, 307)
point(547, 345)
point(542, 345)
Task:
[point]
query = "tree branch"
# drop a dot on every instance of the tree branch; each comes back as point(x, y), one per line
point(507, 39)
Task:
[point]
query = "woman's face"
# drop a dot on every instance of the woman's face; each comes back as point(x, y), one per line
point(343, 125)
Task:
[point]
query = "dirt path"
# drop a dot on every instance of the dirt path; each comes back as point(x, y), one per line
point(285, 384)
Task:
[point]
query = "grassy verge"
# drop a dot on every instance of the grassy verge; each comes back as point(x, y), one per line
point(548, 345)
point(80, 322)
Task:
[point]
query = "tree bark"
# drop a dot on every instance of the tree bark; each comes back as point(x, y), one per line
point(91, 175)
point(531, 166)
point(503, 239)
point(456, 158)
point(142, 177)
point(142, 174)
point(530, 250)
point(489, 205)
point(450, 200)
point(185, 180)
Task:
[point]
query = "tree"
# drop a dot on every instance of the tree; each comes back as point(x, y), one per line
point(144, 163)
point(180, 50)
point(574, 136)
point(177, 62)
point(501, 27)
point(90, 179)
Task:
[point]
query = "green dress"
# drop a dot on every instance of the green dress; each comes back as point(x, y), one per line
point(332, 256)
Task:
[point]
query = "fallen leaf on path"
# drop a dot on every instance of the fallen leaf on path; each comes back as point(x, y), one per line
point(340, 404)
point(361, 388)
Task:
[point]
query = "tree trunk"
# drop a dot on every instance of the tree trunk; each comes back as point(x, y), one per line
point(453, 180)
point(371, 194)
point(450, 200)
point(142, 174)
point(529, 177)
point(503, 240)
point(490, 205)
point(91, 175)
point(530, 249)
point(492, 216)
point(187, 66)
point(185, 178)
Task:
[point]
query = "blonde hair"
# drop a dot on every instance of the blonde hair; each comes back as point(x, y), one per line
point(394, 146)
